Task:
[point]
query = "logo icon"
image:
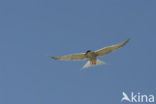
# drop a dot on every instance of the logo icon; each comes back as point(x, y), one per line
point(125, 97)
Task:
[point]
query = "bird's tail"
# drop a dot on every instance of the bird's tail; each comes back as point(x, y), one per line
point(89, 63)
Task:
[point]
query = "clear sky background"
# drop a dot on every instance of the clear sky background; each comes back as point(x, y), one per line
point(31, 30)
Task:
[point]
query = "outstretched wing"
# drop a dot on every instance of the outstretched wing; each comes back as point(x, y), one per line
point(110, 49)
point(70, 57)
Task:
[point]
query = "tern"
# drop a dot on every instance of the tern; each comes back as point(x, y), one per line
point(91, 55)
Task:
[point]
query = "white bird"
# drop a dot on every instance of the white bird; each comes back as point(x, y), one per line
point(92, 56)
point(125, 97)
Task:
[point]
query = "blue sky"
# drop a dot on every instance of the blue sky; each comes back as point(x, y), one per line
point(31, 30)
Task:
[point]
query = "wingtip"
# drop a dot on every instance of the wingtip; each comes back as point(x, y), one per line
point(126, 41)
point(129, 39)
point(53, 57)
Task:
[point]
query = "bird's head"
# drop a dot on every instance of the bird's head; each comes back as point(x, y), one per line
point(87, 52)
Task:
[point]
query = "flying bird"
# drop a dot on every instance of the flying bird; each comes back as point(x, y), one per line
point(91, 55)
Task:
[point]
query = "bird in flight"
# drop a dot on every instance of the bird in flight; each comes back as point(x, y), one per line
point(91, 55)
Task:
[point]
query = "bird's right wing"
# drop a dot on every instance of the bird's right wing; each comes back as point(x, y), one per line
point(70, 57)
point(110, 49)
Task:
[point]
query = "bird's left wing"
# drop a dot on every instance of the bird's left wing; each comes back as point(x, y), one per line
point(110, 49)
point(70, 57)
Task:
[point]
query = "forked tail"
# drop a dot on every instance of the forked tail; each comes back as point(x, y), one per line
point(88, 64)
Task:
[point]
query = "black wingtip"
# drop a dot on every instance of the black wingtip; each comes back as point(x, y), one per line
point(127, 40)
point(53, 57)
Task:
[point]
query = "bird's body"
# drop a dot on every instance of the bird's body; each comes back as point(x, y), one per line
point(92, 56)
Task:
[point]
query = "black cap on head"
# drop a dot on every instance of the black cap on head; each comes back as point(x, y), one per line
point(88, 51)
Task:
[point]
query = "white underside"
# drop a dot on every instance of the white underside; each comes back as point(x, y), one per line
point(88, 64)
